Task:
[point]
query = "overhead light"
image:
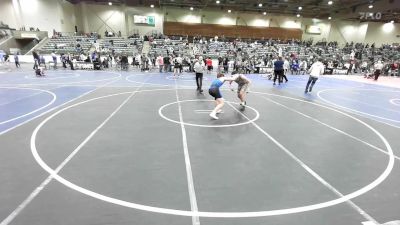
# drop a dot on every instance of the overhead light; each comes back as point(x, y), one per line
point(329, 18)
point(392, 21)
point(330, 3)
point(298, 15)
point(260, 5)
point(264, 13)
point(300, 8)
point(152, 6)
point(229, 11)
point(370, 6)
point(109, 3)
point(217, 2)
point(191, 8)
point(371, 14)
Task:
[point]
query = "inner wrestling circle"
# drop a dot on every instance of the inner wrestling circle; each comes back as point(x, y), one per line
point(185, 78)
point(199, 110)
point(395, 101)
point(53, 76)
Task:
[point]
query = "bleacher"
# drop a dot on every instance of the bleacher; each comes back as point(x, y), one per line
point(167, 46)
point(67, 44)
point(120, 45)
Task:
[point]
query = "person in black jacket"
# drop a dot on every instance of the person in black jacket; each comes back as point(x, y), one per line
point(226, 64)
point(167, 64)
point(278, 70)
point(36, 60)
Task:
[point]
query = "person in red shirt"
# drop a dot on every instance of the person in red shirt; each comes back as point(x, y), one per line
point(209, 65)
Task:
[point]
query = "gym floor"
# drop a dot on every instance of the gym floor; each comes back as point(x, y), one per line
point(112, 147)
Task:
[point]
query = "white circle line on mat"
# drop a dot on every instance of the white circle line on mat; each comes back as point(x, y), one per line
point(160, 112)
point(285, 211)
point(34, 111)
point(350, 109)
point(395, 101)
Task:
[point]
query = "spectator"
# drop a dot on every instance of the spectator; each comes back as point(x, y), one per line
point(378, 69)
point(160, 63)
point(316, 70)
point(167, 66)
point(278, 70)
point(16, 59)
point(199, 69)
point(54, 57)
point(209, 65)
point(36, 60)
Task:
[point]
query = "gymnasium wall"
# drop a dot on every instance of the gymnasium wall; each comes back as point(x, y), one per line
point(234, 18)
point(383, 33)
point(43, 14)
point(99, 18)
point(7, 13)
point(63, 16)
point(230, 31)
point(144, 29)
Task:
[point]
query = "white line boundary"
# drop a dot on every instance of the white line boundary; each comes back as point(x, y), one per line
point(37, 190)
point(189, 174)
point(310, 171)
point(34, 111)
point(299, 209)
point(394, 101)
point(56, 107)
point(350, 109)
point(66, 83)
point(331, 127)
point(367, 104)
point(47, 77)
point(128, 78)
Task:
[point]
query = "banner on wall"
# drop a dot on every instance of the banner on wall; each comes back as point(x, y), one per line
point(313, 29)
point(146, 20)
point(29, 35)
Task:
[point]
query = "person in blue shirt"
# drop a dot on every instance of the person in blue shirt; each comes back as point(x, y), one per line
point(16, 59)
point(278, 69)
point(215, 92)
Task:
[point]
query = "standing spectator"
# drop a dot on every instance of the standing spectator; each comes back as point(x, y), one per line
point(42, 61)
point(167, 63)
point(70, 61)
point(209, 65)
point(278, 70)
point(94, 55)
point(199, 69)
point(180, 62)
point(160, 63)
point(350, 69)
point(54, 57)
point(316, 70)
point(110, 60)
point(286, 67)
point(226, 64)
point(35, 59)
point(220, 62)
point(16, 59)
point(144, 62)
point(63, 60)
point(378, 66)
point(176, 66)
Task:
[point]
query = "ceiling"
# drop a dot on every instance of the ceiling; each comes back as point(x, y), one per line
point(343, 9)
